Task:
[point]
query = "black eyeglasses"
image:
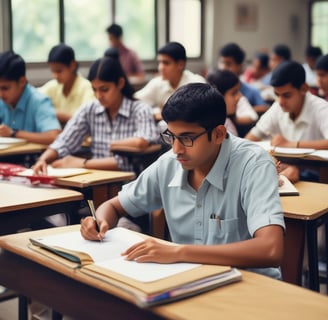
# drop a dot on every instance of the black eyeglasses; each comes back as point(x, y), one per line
point(187, 141)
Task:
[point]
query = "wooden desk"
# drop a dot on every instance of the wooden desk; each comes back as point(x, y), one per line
point(303, 215)
point(82, 297)
point(27, 148)
point(20, 204)
point(102, 183)
point(20, 153)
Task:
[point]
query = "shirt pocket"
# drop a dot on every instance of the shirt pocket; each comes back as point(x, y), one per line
point(222, 231)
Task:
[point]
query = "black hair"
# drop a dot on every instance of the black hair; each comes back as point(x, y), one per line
point(12, 66)
point(233, 50)
point(116, 30)
point(314, 52)
point(264, 59)
point(112, 53)
point(223, 80)
point(108, 69)
point(322, 63)
point(283, 51)
point(198, 103)
point(61, 53)
point(175, 50)
point(288, 72)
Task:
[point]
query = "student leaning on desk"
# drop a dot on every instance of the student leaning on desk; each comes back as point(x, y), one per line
point(114, 118)
point(25, 112)
point(219, 194)
point(298, 119)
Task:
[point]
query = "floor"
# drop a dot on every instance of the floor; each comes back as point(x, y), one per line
point(9, 309)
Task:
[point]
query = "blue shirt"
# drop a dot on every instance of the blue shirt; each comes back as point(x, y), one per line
point(252, 94)
point(134, 119)
point(34, 112)
point(238, 196)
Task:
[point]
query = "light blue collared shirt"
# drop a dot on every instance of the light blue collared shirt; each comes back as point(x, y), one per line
point(34, 112)
point(238, 196)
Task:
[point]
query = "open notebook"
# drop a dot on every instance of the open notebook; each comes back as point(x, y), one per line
point(8, 142)
point(146, 284)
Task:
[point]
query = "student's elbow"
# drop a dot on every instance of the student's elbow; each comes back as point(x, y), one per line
point(142, 144)
point(51, 136)
point(275, 256)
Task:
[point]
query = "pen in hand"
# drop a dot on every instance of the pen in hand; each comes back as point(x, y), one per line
point(93, 212)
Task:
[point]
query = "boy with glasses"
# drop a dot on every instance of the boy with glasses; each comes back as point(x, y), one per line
point(219, 192)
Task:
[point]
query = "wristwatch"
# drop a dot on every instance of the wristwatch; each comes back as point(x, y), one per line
point(13, 132)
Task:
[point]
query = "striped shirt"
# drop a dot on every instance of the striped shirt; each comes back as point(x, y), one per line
point(134, 119)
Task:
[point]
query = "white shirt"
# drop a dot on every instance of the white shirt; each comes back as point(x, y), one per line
point(311, 124)
point(245, 110)
point(157, 91)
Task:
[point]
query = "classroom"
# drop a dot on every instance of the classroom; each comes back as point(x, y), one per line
point(195, 129)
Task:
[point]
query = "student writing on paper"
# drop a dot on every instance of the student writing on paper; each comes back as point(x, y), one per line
point(219, 192)
point(114, 118)
point(25, 112)
point(298, 119)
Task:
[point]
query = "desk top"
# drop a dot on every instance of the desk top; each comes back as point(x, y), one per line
point(23, 149)
point(95, 177)
point(255, 297)
point(310, 204)
point(17, 197)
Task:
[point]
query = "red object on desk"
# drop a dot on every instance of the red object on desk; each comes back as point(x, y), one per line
point(8, 170)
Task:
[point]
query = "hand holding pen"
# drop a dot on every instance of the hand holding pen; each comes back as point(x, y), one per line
point(93, 213)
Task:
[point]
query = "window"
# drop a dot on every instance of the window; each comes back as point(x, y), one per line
point(319, 29)
point(39, 25)
point(186, 28)
point(35, 28)
point(85, 27)
point(138, 26)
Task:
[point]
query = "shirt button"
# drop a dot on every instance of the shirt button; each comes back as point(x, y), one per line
point(199, 223)
point(199, 205)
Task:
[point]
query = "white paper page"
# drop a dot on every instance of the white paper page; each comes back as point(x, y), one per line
point(320, 153)
point(107, 254)
point(293, 150)
point(115, 242)
point(145, 271)
point(10, 140)
point(57, 172)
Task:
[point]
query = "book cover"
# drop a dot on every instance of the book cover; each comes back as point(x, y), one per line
point(145, 284)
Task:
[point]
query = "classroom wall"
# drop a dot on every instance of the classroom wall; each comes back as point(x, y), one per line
point(278, 21)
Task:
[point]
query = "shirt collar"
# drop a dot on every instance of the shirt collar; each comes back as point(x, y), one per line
point(124, 110)
point(23, 100)
point(216, 174)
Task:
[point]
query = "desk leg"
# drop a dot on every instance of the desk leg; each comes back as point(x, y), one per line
point(103, 193)
point(312, 243)
point(22, 308)
point(292, 264)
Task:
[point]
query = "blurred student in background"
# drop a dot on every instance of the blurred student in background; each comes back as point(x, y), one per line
point(171, 59)
point(231, 57)
point(24, 111)
point(229, 86)
point(311, 56)
point(68, 90)
point(129, 59)
point(321, 68)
